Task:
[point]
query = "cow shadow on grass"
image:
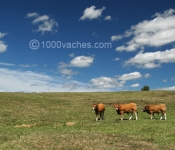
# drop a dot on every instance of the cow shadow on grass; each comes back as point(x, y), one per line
point(99, 119)
point(120, 119)
point(152, 119)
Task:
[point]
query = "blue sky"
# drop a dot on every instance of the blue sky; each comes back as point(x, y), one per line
point(87, 46)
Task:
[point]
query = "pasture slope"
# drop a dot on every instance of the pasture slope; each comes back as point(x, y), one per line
point(66, 121)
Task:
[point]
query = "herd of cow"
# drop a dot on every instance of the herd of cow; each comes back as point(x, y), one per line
point(130, 108)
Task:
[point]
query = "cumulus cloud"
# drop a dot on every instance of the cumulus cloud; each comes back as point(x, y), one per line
point(6, 64)
point(45, 23)
point(135, 85)
point(40, 19)
point(72, 86)
point(92, 13)
point(71, 55)
point(3, 46)
point(108, 18)
point(116, 37)
point(63, 65)
point(167, 88)
point(173, 79)
point(156, 32)
point(152, 59)
point(25, 66)
point(116, 59)
point(82, 61)
point(69, 77)
point(107, 82)
point(130, 76)
point(29, 81)
point(165, 80)
point(147, 75)
point(68, 71)
point(32, 15)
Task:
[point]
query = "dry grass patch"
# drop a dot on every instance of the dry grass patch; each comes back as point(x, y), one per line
point(76, 140)
point(70, 123)
point(24, 126)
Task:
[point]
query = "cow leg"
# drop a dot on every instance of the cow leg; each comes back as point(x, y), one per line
point(161, 116)
point(165, 115)
point(101, 115)
point(131, 115)
point(121, 116)
point(96, 116)
point(151, 116)
point(154, 116)
point(136, 115)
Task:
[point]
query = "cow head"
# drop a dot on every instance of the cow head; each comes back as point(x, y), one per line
point(144, 108)
point(116, 106)
point(94, 106)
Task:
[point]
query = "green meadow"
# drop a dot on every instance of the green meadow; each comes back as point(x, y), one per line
point(51, 121)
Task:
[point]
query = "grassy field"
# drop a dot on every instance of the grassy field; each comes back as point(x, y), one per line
point(65, 121)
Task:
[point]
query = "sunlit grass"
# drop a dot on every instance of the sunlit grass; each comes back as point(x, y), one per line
point(66, 121)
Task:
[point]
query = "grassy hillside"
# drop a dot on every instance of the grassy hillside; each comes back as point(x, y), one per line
point(66, 121)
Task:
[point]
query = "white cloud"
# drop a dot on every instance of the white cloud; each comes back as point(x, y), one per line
point(68, 71)
point(3, 47)
point(63, 65)
point(25, 66)
point(41, 18)
point(32, 15)
point(147, 75)
point(152, 59)
point(164, 80)
point(167, 88)
point(91, 13)
point(130, 76)
point(135, 85)
point(106, 82)
point(71, 55)
point(116, 59)
point(46, 23)
point(6, 64)
point(82, 61)
point(28, 81)
point(156, 32)
point(173, 79)
point(2, 34)
point(108, 18)
point(72, 86)
point(69, 77)
point(116, 37)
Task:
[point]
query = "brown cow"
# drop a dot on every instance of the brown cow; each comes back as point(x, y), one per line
point(99, 109)
point(151, 109)
point(126, 108)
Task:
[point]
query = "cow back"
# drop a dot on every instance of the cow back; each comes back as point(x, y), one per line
point(155, 108)
point(101, 107)
point(127, 108)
